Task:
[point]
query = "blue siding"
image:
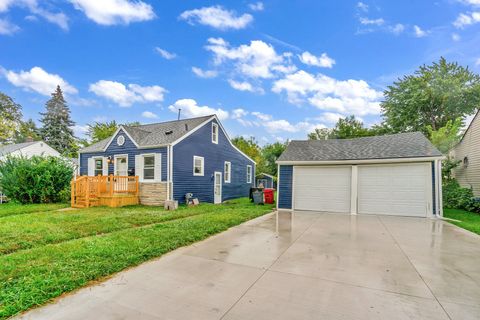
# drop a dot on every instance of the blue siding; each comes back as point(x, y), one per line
point(215, 155)
point(127, 148)
point(285, 187)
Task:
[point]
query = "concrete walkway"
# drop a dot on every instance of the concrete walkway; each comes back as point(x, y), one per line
point(303, 266)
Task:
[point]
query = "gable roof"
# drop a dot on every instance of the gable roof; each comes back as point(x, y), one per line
point(152, 135)
point(264, 174)
point(401, 145)
point(9, 148)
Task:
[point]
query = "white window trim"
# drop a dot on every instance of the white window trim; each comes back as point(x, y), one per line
point(142, 166)
point(94, 165)
point(214, 125)
point(249, 174)
point(203, 166)
point(115, 162)
point(229, 172)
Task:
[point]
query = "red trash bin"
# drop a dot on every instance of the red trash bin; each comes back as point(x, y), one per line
point(269, 196)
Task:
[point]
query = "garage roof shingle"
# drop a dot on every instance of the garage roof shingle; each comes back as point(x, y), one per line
point(401, 145)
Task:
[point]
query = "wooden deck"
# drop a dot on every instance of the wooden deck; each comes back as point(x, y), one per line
point(111, 191)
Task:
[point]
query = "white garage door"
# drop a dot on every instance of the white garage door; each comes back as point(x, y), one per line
point(404, 190)
point(322, 188)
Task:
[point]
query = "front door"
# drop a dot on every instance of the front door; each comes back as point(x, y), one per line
point(121, 167)
point(217, 188)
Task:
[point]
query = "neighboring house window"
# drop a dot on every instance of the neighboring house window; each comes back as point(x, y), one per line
point(149, 167)
point(465, 162)
point(249, 174)
point(227, 171)
point(198, 166)
point(214, 132)
point(98, 171)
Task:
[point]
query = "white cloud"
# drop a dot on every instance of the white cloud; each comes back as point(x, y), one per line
point(58, 18)
point(204, 73)
point(38, 80)
point(477, 63)
point(256, 60)
point(190, 109)
point(362, 6)
point(239, 113)
point(125, 96)
point(112, 12)
point(397, 29)
point(262, 116)
point(456, 37)
point(367, 21)
point(328, 94)
point(323, 60)
point(466, 19)
point(217, 17)
point(8, 28)
point(258, 6)
point(419, 33)
point(165, 54)
point(330, 117)
point(244, 86)
point(149, 115)
point(80, 130)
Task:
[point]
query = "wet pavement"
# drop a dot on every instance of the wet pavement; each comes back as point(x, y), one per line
point(298, 266)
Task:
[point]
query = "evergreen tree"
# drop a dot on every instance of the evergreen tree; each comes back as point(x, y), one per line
point(57, 125)
point(10, 119)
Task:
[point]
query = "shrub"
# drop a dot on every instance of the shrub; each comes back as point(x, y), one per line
point(456, 197)
point(35, 180)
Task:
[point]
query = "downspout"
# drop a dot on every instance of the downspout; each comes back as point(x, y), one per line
point(168, 172)
point(171, 171)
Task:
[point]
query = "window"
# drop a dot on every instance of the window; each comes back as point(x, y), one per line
point(465, 162)
point(227, 172)
point(98, 169)
point(120, 140)
point(214, 132)
point(249, 174)
point(198, 166)
point(149, 167)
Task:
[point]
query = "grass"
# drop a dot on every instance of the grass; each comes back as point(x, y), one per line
point(66, 260)
point(467, 220)
point(10, 209)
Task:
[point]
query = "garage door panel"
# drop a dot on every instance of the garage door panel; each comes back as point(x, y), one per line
point(322, 188)
point(394, 189)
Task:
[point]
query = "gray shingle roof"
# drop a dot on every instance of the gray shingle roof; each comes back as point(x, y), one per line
point(9, 148)
point(154, 134)
point(401, 145)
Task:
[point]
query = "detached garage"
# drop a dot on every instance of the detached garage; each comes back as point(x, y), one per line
point(396, 174)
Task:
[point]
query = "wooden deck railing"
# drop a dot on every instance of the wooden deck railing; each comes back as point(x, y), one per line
point(85, 189)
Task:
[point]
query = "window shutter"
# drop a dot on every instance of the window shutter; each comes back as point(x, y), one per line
point(158, 167)
point(90, 166)
point(105, 166)
point(139, 166)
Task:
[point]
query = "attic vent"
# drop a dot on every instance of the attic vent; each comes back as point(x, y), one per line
point(168, 132)
point(186, 126)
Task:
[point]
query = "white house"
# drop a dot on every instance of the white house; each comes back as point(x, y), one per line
point(28, 149)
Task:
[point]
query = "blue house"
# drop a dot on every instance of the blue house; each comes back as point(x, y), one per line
point(174, 158)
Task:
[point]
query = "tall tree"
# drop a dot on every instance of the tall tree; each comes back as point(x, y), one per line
point(270, 154)
point(101, 130)
point(57, 125)
point(345, 128)
point(432, 96)
point(28, 131)
point(250, 147)
point(10, 118)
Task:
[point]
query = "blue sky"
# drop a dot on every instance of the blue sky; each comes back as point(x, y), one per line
point(272, 69)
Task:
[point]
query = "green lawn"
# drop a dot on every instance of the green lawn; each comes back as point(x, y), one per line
point(468, 220)
point(46, 254)
point(10, 209)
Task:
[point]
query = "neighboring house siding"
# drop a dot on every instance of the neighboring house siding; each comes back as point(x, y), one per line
point(200, 144)
point(38, 149)
point(127, 148)
point(285, 187)
point(469, 147)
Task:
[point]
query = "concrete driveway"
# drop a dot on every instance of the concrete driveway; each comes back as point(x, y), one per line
point(303, 266)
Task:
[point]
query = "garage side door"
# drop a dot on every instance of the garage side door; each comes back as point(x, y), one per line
point(403, 190)
point(322, 188)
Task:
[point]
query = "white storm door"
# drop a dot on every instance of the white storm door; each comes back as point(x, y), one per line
point(217, 188)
